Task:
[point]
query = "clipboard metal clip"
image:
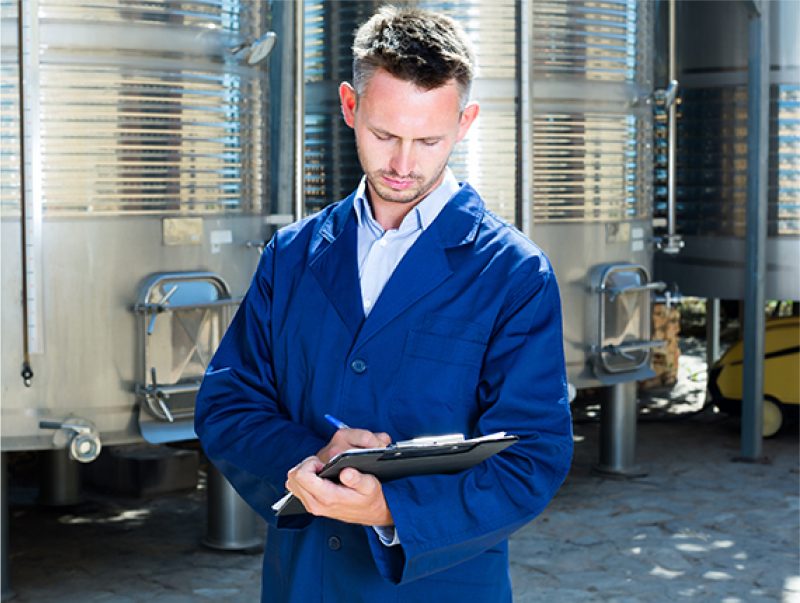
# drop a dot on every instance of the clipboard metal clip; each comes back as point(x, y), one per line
point(440, 440)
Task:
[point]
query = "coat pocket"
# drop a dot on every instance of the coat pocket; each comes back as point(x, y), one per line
point(434, 390)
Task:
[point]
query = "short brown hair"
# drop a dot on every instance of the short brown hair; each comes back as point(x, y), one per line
point(413, 45)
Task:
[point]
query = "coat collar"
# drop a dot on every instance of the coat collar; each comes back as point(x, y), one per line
point(425, 266)
point(456, 225)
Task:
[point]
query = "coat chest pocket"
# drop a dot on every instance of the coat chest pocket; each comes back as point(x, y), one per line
point(435, 386)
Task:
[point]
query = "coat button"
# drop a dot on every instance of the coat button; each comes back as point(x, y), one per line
point(358, 366)
point(334, 543)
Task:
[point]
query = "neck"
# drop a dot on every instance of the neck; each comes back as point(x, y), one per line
point(387, 213)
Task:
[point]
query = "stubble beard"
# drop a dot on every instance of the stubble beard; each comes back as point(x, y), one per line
point(414, 194)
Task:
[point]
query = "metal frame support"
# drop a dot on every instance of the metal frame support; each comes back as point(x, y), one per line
point(756, 233)
point(618, 414)
point(525, 166)
point(282, 72)
point(5, 523)
point(712, 331)
point(232, 524)
point(299, 112)
point(59, 479)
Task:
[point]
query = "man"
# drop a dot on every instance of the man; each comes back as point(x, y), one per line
point(406, 309)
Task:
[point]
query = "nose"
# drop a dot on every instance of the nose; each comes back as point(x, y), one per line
point(402, 162)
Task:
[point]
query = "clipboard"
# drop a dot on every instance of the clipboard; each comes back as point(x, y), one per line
point(420, 456)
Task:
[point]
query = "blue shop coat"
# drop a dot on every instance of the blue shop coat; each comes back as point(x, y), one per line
point(465, 337)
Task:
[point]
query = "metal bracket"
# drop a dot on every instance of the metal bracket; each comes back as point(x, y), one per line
point(150, 305)
point(613, 292)
point(625, 349)
point(256, 50)
point(670, 244)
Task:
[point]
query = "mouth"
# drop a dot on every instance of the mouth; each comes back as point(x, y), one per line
point(398, 183)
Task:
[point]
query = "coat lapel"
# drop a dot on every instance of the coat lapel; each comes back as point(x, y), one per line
point(426, 266)
point(334, 264)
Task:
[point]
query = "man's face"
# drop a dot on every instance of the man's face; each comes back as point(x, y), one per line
point(404, 134)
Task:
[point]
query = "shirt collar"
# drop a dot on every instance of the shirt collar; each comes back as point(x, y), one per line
point(423, 213)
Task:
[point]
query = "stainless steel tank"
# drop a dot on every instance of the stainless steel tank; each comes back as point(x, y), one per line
point(562, 149)
point(587, 74)
point(712, 151)
point(136, 186)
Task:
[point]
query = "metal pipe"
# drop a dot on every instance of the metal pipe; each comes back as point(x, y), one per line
point(299, 111)
point(672, 128)
point(232, 524)
point(618, 415)
point(712, 331)
point(282, 135)
point(756, 230)
point(525, 198)
point(673, 242)
point(27, 371)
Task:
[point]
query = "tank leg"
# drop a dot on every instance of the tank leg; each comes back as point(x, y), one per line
point(5, 520)
point(232, 524)
point(618, 432)
point(59, 479)
point(712, 331)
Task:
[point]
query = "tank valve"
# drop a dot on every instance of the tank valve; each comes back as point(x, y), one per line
point(79, 436)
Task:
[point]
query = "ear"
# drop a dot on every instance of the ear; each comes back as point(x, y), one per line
point(468, 115)
point(347, 96)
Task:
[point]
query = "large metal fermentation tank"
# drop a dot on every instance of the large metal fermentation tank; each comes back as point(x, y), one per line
point(587, 188)
point(712, 151)
point(562, 149)
point(487, 157)
point(143, 173)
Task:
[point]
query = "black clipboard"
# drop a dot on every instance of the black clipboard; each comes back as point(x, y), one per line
point(423, 456)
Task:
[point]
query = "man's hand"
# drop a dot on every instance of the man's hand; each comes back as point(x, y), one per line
point(345, 439)
point(359, 499)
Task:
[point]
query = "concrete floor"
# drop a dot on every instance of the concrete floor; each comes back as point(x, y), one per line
point(698, 527)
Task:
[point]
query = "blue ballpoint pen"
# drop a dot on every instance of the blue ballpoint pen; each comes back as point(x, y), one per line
point(336, 422)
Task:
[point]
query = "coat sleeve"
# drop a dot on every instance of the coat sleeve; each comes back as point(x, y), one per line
point(443, 520)
point(238, 417)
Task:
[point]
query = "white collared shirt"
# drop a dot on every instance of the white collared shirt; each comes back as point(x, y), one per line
point(379, 250)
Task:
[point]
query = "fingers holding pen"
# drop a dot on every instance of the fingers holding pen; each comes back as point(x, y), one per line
point(347, 438)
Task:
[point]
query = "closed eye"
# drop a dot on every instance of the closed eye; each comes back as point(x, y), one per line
point(381, 136)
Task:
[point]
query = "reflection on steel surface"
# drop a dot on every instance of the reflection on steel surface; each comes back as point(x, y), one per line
point(713, 160)
point(598, 41)
point(588, 167)
point(141, 108)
